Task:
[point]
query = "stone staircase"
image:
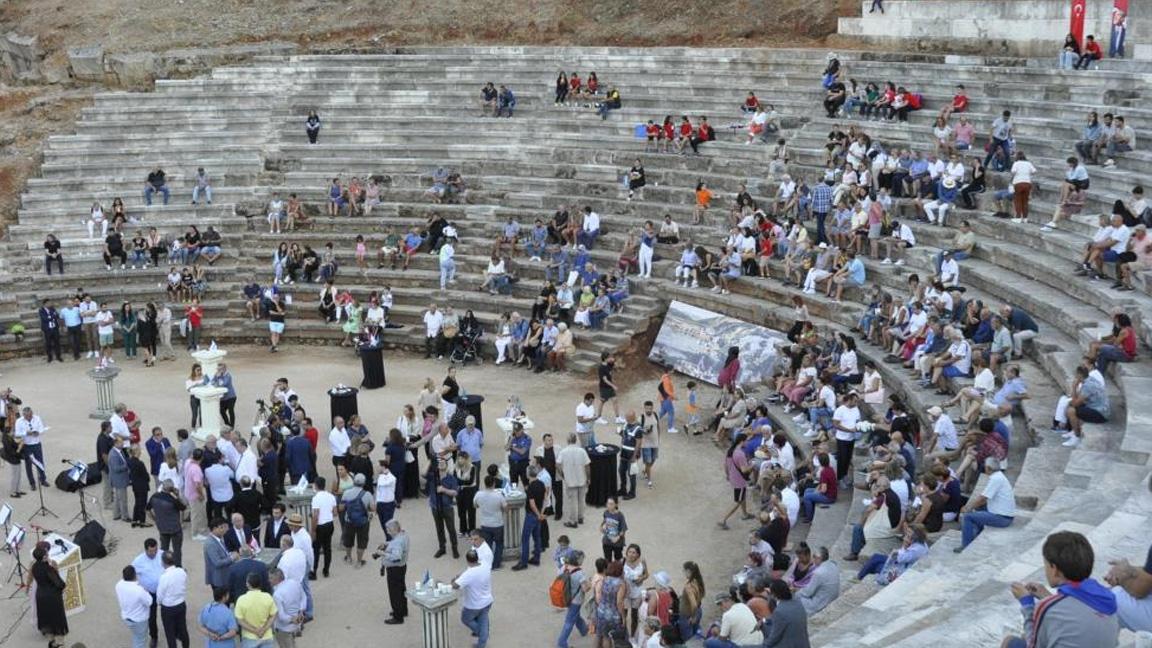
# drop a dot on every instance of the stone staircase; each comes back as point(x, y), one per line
point(404, 114)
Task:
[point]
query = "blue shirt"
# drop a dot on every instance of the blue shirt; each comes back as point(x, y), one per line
point(470, 442)
point(1010, 391)
point(447, 481)
point(148, 571)
point(218, 619)
point(413, 241)
point(821, 198)
point(984, 332)
point(856, 271)
point(918, 167)
point(1019, 320)
point(520, 330)
point(71, 315)
point(225, 381)
point(521, 446)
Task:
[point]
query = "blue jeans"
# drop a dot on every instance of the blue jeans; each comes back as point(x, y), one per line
point(37, 451)
point(561, 271)
point(821, 237)
point(149, 190)
point(689, 626)
point(308, 606)
point(257, 643)
point(196, 194)
point(716, 642)
point(956, 254)
point(811, 498)
point(872, 566)
point(139, 256)
point(1108, 354)
point(858, 540)
point(572, 619)
point(971, 524)
point(997, 144)
point(815, 414)
point(477, 622)
point(139, 631)
point(531, 532)
point(494, 536)
point(588, 238)
point(667, 408)
point(447, 272)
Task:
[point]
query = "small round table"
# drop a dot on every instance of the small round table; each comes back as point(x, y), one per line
point(602, 474)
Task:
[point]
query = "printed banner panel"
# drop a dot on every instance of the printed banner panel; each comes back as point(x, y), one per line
point(695, 341)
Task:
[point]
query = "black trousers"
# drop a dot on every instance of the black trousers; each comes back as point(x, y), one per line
point(626, 482)
point(75, 340)
point(466, 510)
point(153, 631)
point(844, 451)
point(174, 542)
point(140, 497)
point(445, 521)
point(52, 344)
point(323, 545)
point(395, 577)
point(228, 411)
point(175, 619)
point(557, 498)
point(518, 472)
point(613, 552)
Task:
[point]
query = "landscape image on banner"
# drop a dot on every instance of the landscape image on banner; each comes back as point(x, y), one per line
point(695, 341)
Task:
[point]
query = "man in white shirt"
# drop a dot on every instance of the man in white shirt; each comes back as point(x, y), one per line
point(291, 602)
point(900, 240)
point(171, 596)
point(590, 230)
point(339, 442)
point(135, 603)
point(302, 542)
point(433, 322)
point(247, 465)
point(480, 546)
point(995, 507)
point(281, 392)
point(844, 421)
point(442, 444)
point(88, 311)
point(949, 270)
point(323, 516)
point(385, 495)
point(28, 431)
point(737, 623)
point(791, 500)
point(1110, 249)
point(228, 449)
point(119, 425)
point(954, 363)
point(475, 585)
point(219, 479)
point(586, 420)
point(943, 442)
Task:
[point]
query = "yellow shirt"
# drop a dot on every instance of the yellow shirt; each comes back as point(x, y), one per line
point(255, 608)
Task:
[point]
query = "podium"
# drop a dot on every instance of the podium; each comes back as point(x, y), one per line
point(372, 362)
point(68, 563)
point(433, 602)
point(209, 396)
point(473, 404)
point(300, 502)
point(514, 522)
point(342, 402)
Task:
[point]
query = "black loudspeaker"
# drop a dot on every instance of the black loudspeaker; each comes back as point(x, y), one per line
point(66, 483)
point(90, 539)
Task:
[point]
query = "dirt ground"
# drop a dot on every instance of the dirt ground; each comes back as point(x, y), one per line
point(673, 522)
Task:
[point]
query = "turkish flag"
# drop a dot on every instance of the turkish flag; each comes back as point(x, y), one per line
point(1079, 7)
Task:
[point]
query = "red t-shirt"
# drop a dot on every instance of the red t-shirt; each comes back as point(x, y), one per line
point(195, 315)
point(704, 132)
point(828, 478)
point(1128, 345)
point(751, 102)
point(593, 84)
point(685, 129)
point(574, 82)
point(313, 436)
point(1093, 48)
point(669, 131)
point(959, 103)
point(653, 130)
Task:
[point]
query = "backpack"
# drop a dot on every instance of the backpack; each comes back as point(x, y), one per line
point(354, 512)
point(561, 592)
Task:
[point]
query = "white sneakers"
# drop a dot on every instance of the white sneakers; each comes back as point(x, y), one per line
point(886, 261)
point(620, 419)
point(1048, 227)
point(601, 421)
point(1072, 442)
point(899, 262)
point(673, 430)
point(800, 418)
point(810, 433)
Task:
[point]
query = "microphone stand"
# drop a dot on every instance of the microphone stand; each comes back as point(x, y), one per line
point(83, 514)
point(43, 510)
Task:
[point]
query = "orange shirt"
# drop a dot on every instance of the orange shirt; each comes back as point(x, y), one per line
point(703, 197)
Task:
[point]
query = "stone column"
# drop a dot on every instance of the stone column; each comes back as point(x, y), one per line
point(433, 603)
point(105, 393)
point(208, 395)
point(514, 523)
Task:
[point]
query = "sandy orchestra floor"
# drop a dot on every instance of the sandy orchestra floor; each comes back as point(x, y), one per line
point(673, 522)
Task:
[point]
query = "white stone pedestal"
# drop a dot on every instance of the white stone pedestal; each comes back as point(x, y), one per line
point(433, 606)
point(105, 394)
point(514, 523)
point(209, 396)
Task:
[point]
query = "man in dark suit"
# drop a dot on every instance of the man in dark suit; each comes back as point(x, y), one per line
point(50, 327)
point(247, 501)
point(239, 535)
point(217, 558)
point(239, 571)
point(276, 527)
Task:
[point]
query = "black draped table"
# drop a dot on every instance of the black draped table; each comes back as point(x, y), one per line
point(602, 474)
point(372, 361)
point(342, 402)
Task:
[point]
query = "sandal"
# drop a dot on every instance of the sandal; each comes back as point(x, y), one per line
point(722, 525)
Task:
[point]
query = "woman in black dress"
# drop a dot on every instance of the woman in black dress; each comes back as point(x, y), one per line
point(148, 330)
point(636, 180)
point(50, 617)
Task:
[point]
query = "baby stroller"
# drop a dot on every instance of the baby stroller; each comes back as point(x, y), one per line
point(466, 346)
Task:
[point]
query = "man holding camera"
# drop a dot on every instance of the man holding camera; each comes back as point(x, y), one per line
point(394, 567)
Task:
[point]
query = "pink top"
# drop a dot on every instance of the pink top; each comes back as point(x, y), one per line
point(729, 373)
point(734, 466)
point(193, 478)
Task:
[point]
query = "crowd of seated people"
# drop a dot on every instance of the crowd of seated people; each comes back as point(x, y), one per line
point(672, 137)
point(446, 187)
